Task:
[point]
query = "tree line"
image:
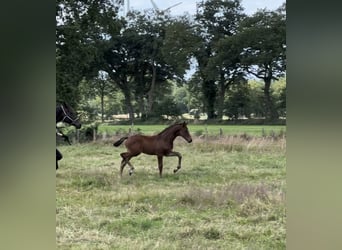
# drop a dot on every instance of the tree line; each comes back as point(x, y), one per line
point(139, 63)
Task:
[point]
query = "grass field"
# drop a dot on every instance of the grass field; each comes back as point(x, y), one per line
point(255, 130)
point(229, 194)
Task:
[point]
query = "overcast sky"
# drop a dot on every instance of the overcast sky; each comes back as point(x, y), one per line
point(250, 6)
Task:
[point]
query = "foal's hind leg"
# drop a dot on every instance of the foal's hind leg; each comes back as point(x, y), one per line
point(125, 160)
point(179, 160)
point(131, 168)
point(123, 163)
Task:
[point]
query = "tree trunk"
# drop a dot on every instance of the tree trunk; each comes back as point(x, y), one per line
point(140, 101)
point(270, 111)
point(102, 106)
point(151, 92)
point(222, 91)
point(210, 96)
point(128, 102)
point(129, 108)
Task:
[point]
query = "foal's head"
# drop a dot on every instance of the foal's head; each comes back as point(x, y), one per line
point(184, 132)
point(68, 115)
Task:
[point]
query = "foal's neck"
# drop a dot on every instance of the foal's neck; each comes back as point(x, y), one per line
point(171, 133)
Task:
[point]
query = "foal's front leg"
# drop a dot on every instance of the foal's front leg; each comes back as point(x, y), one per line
point(173, 153)
point(160, 165)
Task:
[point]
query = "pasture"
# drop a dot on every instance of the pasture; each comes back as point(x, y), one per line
point(197, 129)
point(229, 194)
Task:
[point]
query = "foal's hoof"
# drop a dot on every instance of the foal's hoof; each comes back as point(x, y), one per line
point(176, 170)
point(130, 173)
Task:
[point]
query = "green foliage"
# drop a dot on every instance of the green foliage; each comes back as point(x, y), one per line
point(97, 94)
point(256, 96)
point(248, 99)
point(167, 106)
point(196, 99)
point(165, 103)
point(218, 21)
point(146, 53)
point(181, 97)
point(279, 94)
point(81, 28)
point(238, 102)
point(264, 55)
point(263, 35)
point(178, 45)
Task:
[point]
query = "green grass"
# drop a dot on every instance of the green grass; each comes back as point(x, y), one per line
point(255, 130)
point(229, 194)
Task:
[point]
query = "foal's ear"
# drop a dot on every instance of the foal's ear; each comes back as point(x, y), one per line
point(184, 124)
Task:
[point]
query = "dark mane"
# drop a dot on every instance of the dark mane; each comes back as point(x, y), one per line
point(167, 129)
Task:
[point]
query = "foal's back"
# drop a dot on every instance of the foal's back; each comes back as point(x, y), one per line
point(151, 145)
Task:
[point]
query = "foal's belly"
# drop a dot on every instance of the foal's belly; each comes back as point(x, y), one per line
point(155, 150)
point(152, 151)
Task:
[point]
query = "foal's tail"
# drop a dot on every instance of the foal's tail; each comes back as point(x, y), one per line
point(118, 143)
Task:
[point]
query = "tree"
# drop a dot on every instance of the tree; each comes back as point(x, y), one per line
point(100, 87)
point(195, 89)
point(238, 103)
point(81, 27)
point(225, 67)
point(149, 51)
point(181, 97)
point(217, 24)
point(173, 43)
point(256, 98)
point(279, 95)
point(281, 105)
point(263, 36)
